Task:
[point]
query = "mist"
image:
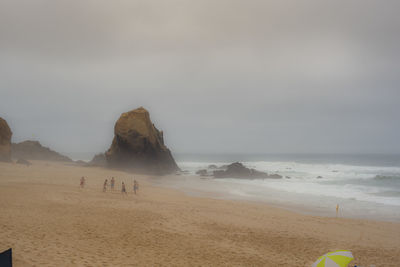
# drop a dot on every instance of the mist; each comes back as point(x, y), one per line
point(216, 76)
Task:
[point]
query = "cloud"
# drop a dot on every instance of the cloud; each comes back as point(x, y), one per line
point(230, 76)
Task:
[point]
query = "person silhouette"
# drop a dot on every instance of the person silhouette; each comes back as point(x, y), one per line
point(82, 182)
point(135, 186)
point(123, 189)
point(112, 183)
point(105, 185)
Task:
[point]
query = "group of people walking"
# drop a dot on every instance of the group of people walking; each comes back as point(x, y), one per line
point(112, 185)
point(123, 187)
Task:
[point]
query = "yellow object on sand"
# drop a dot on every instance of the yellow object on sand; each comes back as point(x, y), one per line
point(339, 258)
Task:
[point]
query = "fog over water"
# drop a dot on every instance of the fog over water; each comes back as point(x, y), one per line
point(217, 76)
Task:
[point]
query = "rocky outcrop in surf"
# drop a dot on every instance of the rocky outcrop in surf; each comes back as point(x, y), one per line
point(5, 141)
point(33, 150)
point(202, 172)
point(238, 170)
point(139, 146)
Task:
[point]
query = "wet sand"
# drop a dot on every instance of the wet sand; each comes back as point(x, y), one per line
point(49, 221)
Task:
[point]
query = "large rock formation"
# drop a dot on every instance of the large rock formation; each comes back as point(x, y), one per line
point(238, 170)
point(139, 146)
point(5, 141)
point(35, 151)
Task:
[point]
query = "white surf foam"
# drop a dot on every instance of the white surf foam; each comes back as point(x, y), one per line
point(338, 180)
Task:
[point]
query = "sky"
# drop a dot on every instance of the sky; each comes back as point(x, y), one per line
point(217, 76)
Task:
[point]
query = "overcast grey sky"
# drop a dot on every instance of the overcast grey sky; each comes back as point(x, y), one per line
point(216, 75)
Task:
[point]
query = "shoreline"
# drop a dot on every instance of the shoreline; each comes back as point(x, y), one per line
point(70, 226)
point(306, 204)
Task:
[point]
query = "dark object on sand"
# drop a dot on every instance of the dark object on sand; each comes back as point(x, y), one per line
point(23, 162)
point(202, 172)
point(6, 258)
point(238, 170)
point(5, 141)
point(35, 151)
point(319, 177)
point(139, 146)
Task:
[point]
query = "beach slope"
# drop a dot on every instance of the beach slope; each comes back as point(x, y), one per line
point(49, 221)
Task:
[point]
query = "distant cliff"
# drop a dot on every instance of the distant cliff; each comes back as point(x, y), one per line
point(33, 150)
point(138, 145)
point(5, 141)
point(98, 160)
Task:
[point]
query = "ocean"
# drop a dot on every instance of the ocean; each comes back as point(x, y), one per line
point(364, 186)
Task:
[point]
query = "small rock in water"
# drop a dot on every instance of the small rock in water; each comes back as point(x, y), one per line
point(275, 176)
point(202, 172)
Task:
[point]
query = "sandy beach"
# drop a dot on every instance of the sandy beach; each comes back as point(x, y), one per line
point(49, 221)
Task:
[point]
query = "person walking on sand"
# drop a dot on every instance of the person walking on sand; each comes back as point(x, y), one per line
point(105, 185)
point(337, 210)
point(112, 183)
point(135, 186)
point(123, 189)
point(82, 183)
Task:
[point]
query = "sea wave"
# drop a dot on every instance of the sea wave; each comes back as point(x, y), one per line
point(387, 177)
point(379, 184)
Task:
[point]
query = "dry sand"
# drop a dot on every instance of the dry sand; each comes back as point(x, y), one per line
point(49, 221)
